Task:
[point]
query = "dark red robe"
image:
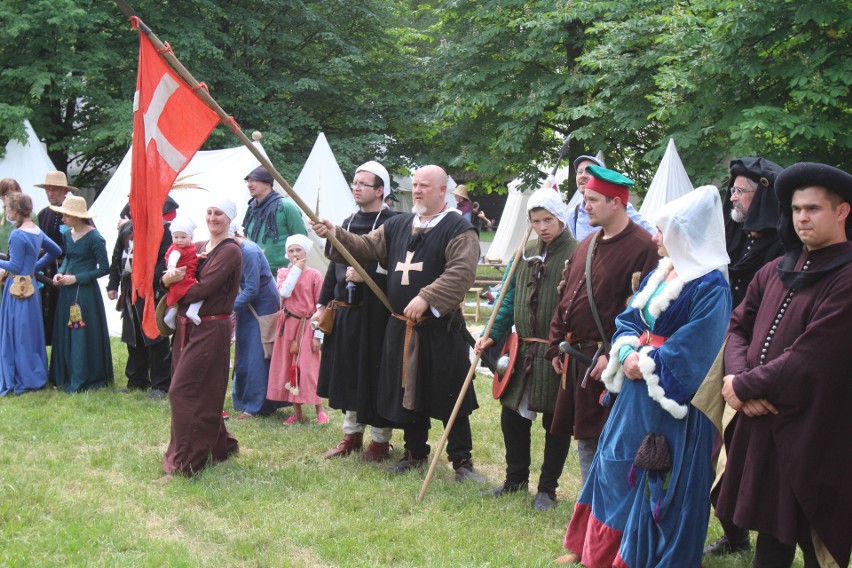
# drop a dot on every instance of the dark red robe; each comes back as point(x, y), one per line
point(792, 472)
point(200, 359)
point(616, 259)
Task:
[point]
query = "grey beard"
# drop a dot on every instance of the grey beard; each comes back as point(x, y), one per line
point(737, 216)
point(418, 209)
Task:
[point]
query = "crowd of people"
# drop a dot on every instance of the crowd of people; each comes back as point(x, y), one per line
point(694, 357)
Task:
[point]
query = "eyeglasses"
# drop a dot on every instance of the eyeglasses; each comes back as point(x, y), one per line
point(738, 191)
point(362, 185)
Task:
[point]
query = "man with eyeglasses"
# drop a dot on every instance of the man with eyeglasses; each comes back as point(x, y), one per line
point(431, 255)
point(270, 218)
point(752, 241)
point(750, 226)
point(578, 219)
point(352, 350)
point(612, 256)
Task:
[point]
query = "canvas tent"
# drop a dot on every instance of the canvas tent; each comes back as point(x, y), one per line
point(513, 221)
point(670, 182)
point(321, 176)
point(28, 164)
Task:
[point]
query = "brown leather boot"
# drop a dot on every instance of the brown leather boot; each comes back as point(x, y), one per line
point(377, 452)
point(350, 443)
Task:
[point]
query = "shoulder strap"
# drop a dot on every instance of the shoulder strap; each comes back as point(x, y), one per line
point(589, 256)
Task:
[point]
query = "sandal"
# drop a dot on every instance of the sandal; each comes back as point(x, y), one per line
point(293, 419)
point(322, 418)
point(244, 415)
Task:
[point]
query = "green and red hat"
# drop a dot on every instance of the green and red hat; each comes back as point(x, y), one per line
point(609, 183)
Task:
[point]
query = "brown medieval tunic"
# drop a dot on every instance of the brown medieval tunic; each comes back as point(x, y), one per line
point(200, 363)
point(792, 472)
point(578, 411)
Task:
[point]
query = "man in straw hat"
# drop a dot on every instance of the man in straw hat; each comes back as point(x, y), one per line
point(787, 475)
point(56, 187)
point(611, 255)
point(431, 255)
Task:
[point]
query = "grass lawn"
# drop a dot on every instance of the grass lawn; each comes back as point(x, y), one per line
point(75, 490)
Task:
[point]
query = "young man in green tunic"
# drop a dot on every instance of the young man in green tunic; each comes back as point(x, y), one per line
point(534, 383)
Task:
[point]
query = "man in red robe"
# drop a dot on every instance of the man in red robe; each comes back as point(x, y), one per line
point(788, 474)
point(620, 249)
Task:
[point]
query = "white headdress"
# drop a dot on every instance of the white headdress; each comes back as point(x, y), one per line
point(379, 170)
point(693, 230)
point(300, 240)
point(550, 199)
point(183, 225)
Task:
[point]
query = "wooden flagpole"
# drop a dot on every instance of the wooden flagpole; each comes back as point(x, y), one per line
point(205, 96)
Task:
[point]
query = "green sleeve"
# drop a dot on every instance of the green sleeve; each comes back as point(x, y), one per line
point(506, 314)
point(288, 218)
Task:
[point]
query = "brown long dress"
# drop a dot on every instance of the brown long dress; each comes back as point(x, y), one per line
point(200, 360)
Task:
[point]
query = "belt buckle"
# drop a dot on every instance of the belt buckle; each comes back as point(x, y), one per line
point(645, 338)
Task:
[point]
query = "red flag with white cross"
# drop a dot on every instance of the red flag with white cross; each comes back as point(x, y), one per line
point(170, 123)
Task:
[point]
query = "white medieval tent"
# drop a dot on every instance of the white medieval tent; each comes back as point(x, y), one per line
point(28, 164)
point(321, 175)
point(513, 221)
point(670, 182)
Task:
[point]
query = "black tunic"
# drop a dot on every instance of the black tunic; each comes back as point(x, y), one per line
point(351, 353)
point(51, 223)
point(443, 360)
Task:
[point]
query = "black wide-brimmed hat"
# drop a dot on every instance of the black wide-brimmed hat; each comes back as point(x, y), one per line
point(809, 174)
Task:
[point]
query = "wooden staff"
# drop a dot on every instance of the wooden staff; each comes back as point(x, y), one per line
point(497, 303)
point(227, 119)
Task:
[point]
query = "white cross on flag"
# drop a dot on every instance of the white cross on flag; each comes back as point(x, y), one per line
point(170, 123)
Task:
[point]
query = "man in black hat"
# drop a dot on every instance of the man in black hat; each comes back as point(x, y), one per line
point(751, 237)
point(149, 360)
point(390, 200)
point(750, 227)
point(270, 218)
point(788, 470)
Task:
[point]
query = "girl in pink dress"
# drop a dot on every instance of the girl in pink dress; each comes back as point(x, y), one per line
point(294, 367)
point(181, 254)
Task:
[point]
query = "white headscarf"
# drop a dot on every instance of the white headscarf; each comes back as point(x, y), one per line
point(183, 225)
point(228, 207)
point(379, 170)
point(693, 230)
point(300, 240)
point(550, 199)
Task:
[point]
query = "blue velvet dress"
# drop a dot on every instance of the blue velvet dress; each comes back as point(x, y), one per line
point(23, 358)
point(628, 516)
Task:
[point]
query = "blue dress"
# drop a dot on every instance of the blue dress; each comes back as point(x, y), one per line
point(81, 357)
point(628, 516)
point(251, 369)
point(23, 358)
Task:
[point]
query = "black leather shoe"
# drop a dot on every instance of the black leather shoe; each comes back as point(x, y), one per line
point(407, 463)
point(467, 473)
point(505, 489)
point(544, 501)
point(723, 546)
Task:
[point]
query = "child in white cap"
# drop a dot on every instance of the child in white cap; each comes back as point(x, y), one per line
point(181, 254)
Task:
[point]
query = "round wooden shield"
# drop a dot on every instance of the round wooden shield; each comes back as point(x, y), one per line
point(498, 387)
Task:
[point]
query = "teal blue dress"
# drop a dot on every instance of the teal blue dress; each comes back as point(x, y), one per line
point(81, 358)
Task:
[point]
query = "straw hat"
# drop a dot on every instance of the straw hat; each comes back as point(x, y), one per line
point(160, 315)
point(461, 191)
point(56, 180)
point(73, 206)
